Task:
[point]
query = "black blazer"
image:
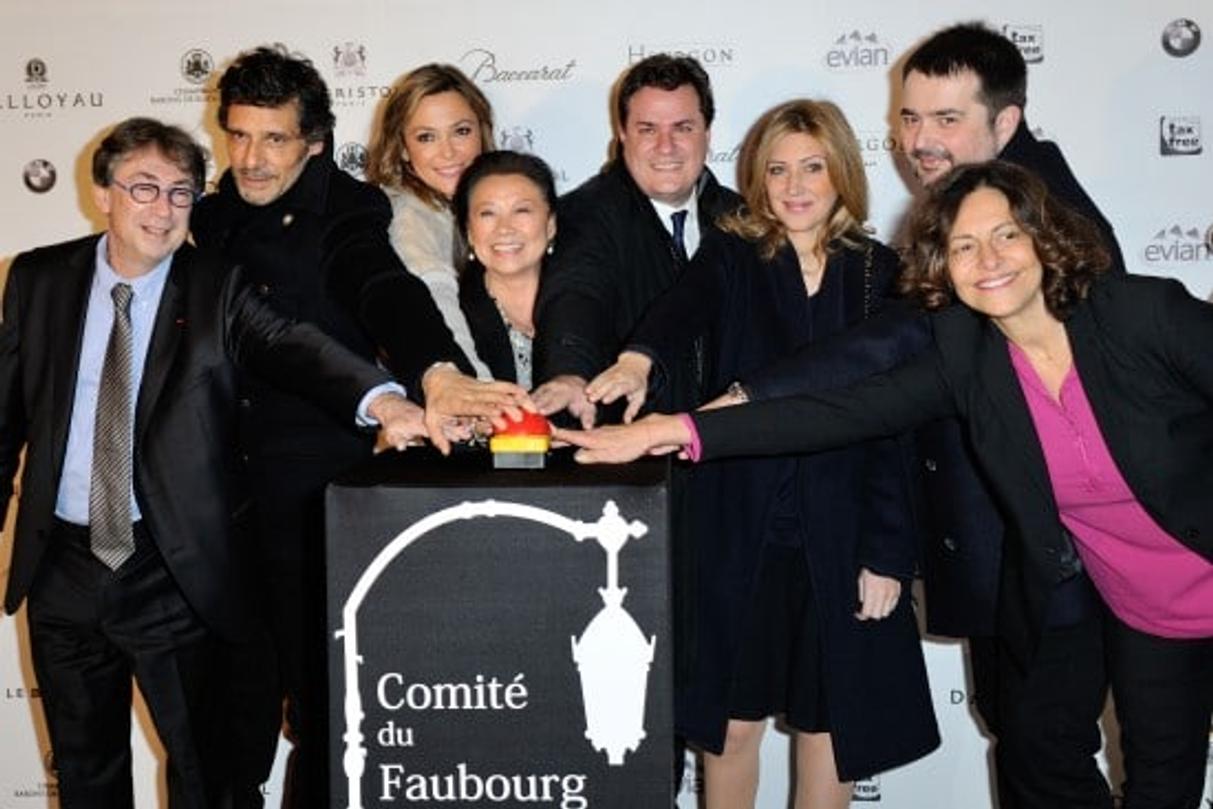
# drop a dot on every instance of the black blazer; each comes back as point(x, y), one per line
point(1141, 347)
point(613, 258)
point(186, 479)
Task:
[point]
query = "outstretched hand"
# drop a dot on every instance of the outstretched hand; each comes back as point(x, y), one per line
point(451, 395)
point(628, 377)
point(657, 434)
point(565, 392)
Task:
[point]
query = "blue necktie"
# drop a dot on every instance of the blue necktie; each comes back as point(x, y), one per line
point(679, 218)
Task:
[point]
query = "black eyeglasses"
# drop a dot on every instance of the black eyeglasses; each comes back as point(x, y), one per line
point(179, 196)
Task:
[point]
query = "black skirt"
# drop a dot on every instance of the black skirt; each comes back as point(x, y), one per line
point(778, 669)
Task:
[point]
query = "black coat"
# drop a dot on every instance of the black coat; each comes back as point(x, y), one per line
point(488, 329)
point(851, 506)
point(613, 258)
point(1141, 347)
point(320, 253)
point(961, 526)
point(187, 480)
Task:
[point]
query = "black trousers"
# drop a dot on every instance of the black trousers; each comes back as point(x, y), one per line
point(91, 630)
point(1163, 692)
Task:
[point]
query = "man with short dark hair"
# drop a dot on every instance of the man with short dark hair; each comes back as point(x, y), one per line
point(118, 359)
point(313, 242)
point(626, 234)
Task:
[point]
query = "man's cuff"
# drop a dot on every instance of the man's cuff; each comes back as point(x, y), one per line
point(362, 417)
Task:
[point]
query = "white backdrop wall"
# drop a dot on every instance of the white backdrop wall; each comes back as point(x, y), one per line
point(1127, 109)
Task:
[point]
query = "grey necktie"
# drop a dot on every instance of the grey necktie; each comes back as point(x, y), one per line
point(109, 498)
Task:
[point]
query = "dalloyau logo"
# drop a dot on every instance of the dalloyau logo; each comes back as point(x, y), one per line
point(1179, 135)
point(856, 51)
point(1030, 39)
point(1178, 245)
point(349, 61)
point(39, 176)
point(197, 67)
point(39, 100)
point(1181, 37)
point(351, 158)
point(482, 65)
point(710, 55)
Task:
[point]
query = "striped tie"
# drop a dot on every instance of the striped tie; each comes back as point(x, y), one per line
point(109, 498)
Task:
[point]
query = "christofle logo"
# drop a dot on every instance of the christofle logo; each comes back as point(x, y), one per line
point(351, 158)
point(349, 59)
point(1178, 245)
point(482, 65)
point(710, 55)
point(1179, 135)
point(39, 176)
point(1030, 39)
point(856, 51)
point(196, 66)
point(867, 789)
point(1181, 37)
point(35, 72)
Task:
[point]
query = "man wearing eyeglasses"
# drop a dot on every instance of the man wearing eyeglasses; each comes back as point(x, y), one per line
point(118, 358)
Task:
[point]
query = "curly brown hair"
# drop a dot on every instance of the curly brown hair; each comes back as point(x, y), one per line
point(1070, 247)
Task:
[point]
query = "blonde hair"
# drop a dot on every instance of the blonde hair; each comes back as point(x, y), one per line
point(386, 162)
point(825, 122)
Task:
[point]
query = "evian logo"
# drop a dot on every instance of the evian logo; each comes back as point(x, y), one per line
point(349, 59)
point(482, 65)
point(1030, 39)
point(857, 50)
point(1179, 135)
point(1178, 245)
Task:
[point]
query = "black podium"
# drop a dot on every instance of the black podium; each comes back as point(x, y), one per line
point(499, 638)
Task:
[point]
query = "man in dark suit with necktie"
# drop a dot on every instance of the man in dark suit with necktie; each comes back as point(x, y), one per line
point(118, 357)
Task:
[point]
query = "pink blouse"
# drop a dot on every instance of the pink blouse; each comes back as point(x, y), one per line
point(1149, 579)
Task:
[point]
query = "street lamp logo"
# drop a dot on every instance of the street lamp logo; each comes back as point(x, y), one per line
point(1179, 135)
point(39, 175)
point(612, 656)
point(196, 66)
point(1181, 37)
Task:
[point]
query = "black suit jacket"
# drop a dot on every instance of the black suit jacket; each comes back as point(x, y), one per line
point(1141, 347)
point(613, 259)
point(185, 466)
